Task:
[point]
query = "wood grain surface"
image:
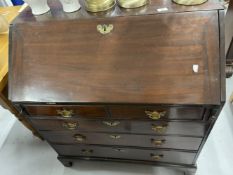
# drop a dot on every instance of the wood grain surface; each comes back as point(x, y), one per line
point(153, 63)
point(176, 157)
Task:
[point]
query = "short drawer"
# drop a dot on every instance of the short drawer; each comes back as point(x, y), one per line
point(156, 112)
point(74, 137)
point(175, 157)
point(187, 128)
point(67, 111)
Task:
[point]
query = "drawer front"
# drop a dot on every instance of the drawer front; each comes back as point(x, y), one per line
point(156, 113)
point(175, 157)
point(74, 137)
point(67, 111)
point(123, 126)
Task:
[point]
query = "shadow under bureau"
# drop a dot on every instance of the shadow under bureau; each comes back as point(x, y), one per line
point(140, 85)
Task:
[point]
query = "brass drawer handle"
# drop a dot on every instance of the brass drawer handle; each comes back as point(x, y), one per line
point(115, 137)
point(79, 137)
point(158, 142)
point(159, 128)
point(65, 113)
point(87, 151)
point(156, 157)
point(111, 123)
point(104, 28)
point(70, 125)
point(155, 115)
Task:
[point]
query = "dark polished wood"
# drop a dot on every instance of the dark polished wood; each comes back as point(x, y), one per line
point(175, 157)
point(149, 91)
point(140, 112)
point(188, 128)
point(5, 103)
point(97, 69)
point(117, 111)
point(172, 142)
point(186, 169)
point(77, 111)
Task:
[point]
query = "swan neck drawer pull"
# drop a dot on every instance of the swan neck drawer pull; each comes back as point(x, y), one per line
point(65, 113)
point(156, 157)
point(115, 137)
point(87, 151)
point(155, 115)
point(158, 142)
point(70, 125)
point(111, 123)
point(159, 128)
point(79, 137)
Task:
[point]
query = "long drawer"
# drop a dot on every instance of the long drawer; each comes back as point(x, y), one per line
point(176, 157)
point(156, 112)
point(74, 137)
point(188, 128)
point(117, 112)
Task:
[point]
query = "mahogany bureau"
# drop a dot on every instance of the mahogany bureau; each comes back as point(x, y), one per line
point(143, 85)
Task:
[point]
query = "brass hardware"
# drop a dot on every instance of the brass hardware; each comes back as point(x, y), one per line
point(115, 137)
point(65, 113)
point(99, 5)
point(156, 157)
point(79, 137)
point(70, 125)
point(111, 123)
point(87, 151)
point(104, 29)
point(119, 149)
point(158, 142)
point(132, 3)
point(159, 128)
point(155, 115)
point(189, 2)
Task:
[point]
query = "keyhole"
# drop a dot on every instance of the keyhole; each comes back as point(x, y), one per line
point(105, 28)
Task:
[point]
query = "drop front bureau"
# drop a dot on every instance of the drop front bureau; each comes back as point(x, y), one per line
point(143, 85)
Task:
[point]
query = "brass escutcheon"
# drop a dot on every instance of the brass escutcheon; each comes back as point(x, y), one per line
point(155, 115)
point(70, 125)
point(119, 149)
point(156, 157)
point(115, 137)
point(65, 113)
point(79, 137)
point(104, 28)
point(111, 123)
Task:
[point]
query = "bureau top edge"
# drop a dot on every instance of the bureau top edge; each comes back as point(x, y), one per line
point(154, 7)
point(33, 103)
